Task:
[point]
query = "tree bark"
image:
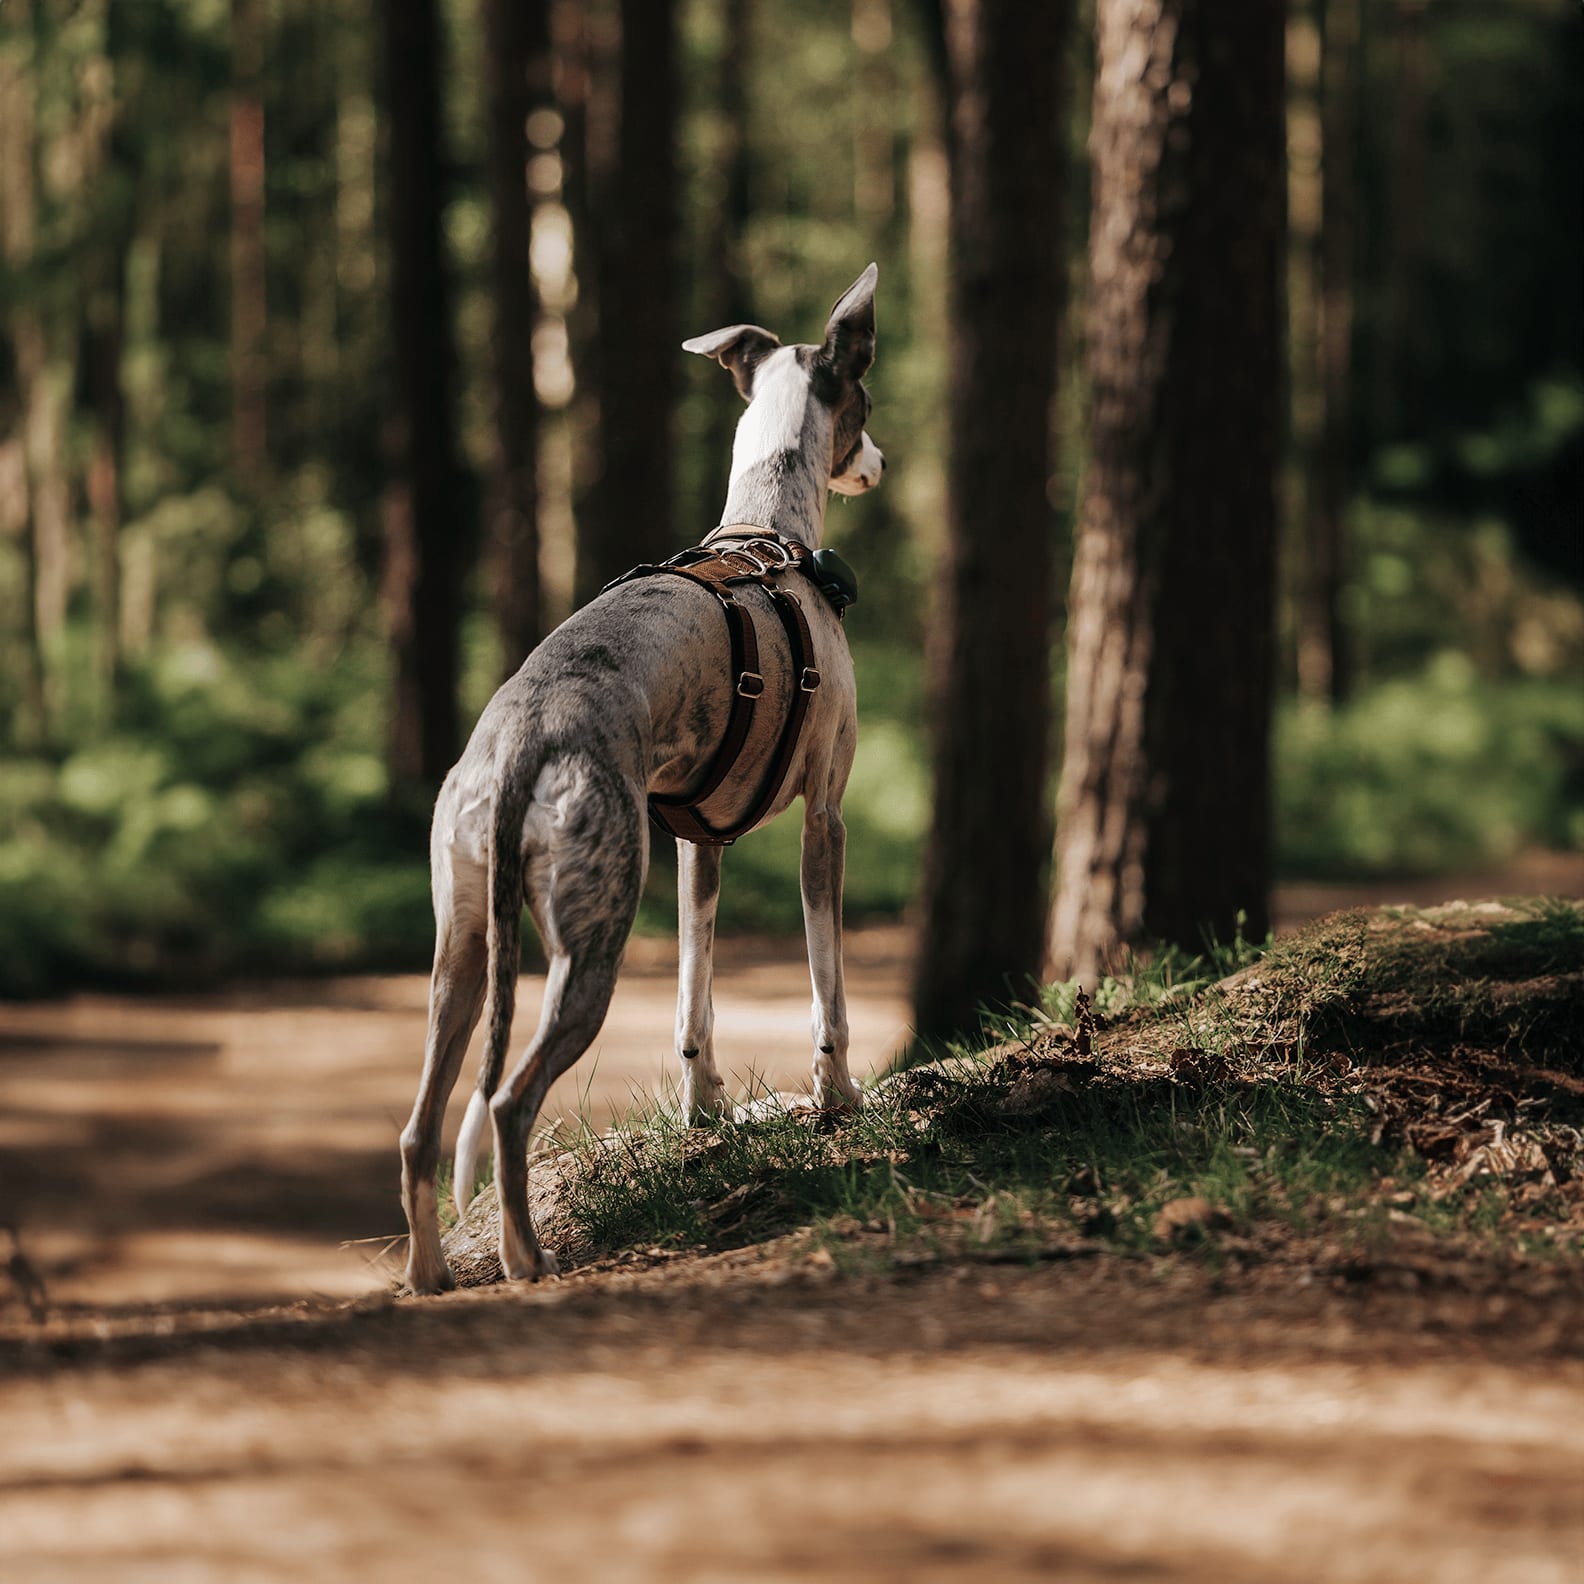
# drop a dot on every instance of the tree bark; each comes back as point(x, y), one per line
point(1398, 400)
point(1339, 74)
point(21, 355)
point(249, 312)
point(629, 512)
point(984, 875)
point(1164, 813)
point(1322, 107)
point(726, 233)
point(426, 548)
point(517, 82)
point(103, 341)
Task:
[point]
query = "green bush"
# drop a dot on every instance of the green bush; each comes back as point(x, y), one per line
point(1429, 773)
point(239, 819)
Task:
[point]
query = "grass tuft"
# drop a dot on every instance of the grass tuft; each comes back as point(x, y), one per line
point(1378, 1077)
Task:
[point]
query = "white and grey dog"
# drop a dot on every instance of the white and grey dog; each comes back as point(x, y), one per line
point(547, 805)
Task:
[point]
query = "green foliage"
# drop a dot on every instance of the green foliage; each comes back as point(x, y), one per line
point(1427, 773)
point(240, 819)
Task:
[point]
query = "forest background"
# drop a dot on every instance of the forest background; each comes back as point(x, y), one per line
point(285, 424)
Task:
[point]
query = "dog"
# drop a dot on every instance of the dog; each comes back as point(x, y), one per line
point(629, 699)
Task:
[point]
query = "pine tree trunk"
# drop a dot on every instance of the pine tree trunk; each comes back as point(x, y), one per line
point(117, 171)
point(49, 494)
point(1330, 535)
point(103, 343)
point(1398, 400)
point(517, 81)
point(629, 512)
point(23, 357)
point(984, 894)
point(1164, 817)
point(1304, 663)
point(249, 316)
point(426, 545)
point(725, 236)
point(585, 37)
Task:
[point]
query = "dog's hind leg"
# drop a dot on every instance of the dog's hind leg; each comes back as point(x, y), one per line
point(820, 874)
point(456, 997)
point(698, 893)
point(587, 899)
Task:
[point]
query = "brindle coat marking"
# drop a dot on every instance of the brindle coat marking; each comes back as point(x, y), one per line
point(547, 805)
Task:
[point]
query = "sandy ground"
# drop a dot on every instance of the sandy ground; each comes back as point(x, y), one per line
point(753, 1418)
point(222, 1391)
point(226, 1144)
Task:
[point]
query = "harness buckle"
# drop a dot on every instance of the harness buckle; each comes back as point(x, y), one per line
point(810, 679)
point(760, 568)
point(750, 685)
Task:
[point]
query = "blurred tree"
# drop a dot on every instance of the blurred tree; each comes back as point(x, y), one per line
point(1331, 672)
point(1164, 814)
point(1322, 63)
point(249, 313)
point(984, 870)
point(426, 548)
point(1398, 386)
point(1325, 661)
point(628, 516)
point(21, 359)
point(111, 124)
point(726, 228)
point(585, 38)
point(517, 83)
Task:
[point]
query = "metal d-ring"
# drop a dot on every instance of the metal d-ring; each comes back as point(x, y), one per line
point(759, 567)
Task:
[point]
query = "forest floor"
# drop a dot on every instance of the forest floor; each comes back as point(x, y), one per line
point(201, 1385)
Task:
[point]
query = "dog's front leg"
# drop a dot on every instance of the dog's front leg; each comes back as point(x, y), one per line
point(824, 858)
point(698, 892)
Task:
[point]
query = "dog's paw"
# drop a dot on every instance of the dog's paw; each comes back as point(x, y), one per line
point(703, 1102)
point(425, 1281)
point(525, 1266)
point(836, 1090)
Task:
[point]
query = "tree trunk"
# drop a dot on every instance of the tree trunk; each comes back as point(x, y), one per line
point(249, 315)
point(1303, 663)
point(586, 63)
point(1398, 402)
point(629, 513)
point(23, 357)
point(517, 82)
point(103, 341)
point(726, 231)
point(1164, 817)
point(984, 892)
point(426, 547)
point(1339, 76)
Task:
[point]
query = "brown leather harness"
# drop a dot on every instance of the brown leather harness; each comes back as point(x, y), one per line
point(746, 555)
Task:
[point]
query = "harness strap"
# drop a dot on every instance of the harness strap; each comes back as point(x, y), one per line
point(718, 571)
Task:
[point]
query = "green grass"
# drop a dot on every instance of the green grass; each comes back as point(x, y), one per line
point(1100, 1160)
point(1318, 1090)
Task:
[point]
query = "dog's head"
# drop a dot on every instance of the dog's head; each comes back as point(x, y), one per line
point(788, 386)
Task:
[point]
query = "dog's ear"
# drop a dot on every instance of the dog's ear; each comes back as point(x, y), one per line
point(850, 333)
point(739, 349)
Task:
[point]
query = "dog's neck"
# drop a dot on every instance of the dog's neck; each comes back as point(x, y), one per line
point(781, 457)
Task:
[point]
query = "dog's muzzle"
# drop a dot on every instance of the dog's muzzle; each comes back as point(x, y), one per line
point(863, 470)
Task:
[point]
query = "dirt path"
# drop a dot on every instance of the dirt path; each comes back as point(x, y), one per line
point(754, 1417)
point(225, 1144)
point(173, 1161)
